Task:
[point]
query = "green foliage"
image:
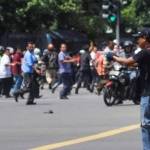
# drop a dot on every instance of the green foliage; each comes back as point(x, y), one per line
point(129, 13)
point(43, 15)
point(137, 13)
point(82, 15)
point(32, 15)
point(92, 25)
point(68, 6)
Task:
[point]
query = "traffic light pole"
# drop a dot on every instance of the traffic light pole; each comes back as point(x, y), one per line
point(118, 26)
point(111, 11)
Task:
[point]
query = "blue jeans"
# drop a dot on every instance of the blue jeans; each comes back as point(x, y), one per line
point(145, 121)
point(58, 82)
point(18, 81)
point(67, 84)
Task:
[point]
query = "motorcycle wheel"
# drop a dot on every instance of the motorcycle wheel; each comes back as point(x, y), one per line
point(109, 100)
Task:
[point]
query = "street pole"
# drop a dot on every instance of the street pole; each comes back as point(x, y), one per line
point(118, 26)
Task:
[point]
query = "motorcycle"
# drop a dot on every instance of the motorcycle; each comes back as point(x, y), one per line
point(121, 86)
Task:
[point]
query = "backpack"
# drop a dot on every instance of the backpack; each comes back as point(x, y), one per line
point(53, 60)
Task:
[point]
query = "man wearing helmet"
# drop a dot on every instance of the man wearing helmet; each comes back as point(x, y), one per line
point(142, 58)
point(128, 48)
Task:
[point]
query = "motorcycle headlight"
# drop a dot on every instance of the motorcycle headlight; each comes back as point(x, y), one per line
point(112, 77)
point(124, 79)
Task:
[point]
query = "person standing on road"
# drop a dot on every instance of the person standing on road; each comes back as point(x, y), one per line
point(84, 70)
point(28, 69)
point(16, 71)
point(51, 61)
point(94, 74)
point(142, 58)
point(1, 54)
point(5, 73)
point(65, 70)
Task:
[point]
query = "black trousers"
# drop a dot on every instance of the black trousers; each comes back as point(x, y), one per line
point(29, 86)
point(66, 79)
point(6, 84)
point(84, 76)
point(94, 79)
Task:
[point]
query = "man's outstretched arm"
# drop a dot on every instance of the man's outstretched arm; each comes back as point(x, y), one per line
point(125, 61)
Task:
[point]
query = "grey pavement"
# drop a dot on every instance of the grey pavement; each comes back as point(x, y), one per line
point(24, 127)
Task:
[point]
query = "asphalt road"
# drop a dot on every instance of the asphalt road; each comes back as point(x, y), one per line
point(26, 127)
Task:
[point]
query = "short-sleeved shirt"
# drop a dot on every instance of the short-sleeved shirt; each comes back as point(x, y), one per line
point(64, 67)
point(143, 60)
point(100, 65)
point(16, 69)
point(5, 71)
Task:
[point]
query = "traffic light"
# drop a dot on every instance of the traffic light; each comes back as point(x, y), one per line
point(126, 2)
point(105, 9)
point(112, 18)
point(109, 10)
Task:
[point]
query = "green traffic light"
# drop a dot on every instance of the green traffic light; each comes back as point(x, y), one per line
point(112, 18)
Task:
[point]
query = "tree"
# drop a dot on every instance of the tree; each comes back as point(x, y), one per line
point(81, 15)
point(136, 14)
point(34, 15)
point(8, 16)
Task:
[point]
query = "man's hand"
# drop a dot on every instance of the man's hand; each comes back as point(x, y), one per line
point(109, 56)
point(72, 60)
point(38, 71)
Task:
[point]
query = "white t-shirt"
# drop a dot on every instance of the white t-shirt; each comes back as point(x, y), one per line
point(137, 50)
point(5, 71)
point(93, 57)
point(107, 49)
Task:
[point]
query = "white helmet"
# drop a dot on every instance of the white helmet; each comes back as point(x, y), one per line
point(11, 49)
point(37, 51)
point(45, 51)
point(82, 51)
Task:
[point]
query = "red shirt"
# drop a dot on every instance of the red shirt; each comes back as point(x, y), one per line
point(100, 64)
point(16, 69)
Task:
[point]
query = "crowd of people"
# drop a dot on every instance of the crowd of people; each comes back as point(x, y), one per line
point(27, 71)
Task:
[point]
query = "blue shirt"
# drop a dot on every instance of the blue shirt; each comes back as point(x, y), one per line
point(28, 62)
point(63, 67)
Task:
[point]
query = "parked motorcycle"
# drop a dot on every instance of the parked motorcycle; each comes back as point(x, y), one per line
point(122, 85)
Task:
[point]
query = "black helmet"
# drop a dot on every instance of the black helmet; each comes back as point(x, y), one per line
point(143, 33)
point(127, 43)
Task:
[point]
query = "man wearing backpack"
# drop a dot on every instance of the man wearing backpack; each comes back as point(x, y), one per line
point(51, 61)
